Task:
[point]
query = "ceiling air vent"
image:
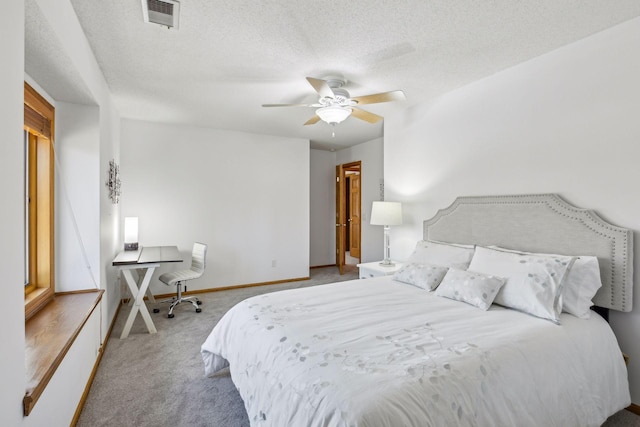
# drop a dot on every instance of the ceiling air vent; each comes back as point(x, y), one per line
point(161, 12)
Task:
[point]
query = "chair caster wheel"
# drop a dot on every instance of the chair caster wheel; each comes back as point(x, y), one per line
point(156, 310)
point(199, 302)
point(171, 316)
point(198, 310)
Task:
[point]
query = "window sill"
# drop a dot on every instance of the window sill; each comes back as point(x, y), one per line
point(32, 296)
point(36, 300)
point(49, 334)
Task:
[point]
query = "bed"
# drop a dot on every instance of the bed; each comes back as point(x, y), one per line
point(387, 351)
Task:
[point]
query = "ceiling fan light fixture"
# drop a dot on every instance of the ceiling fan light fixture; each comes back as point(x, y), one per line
point(333, 114)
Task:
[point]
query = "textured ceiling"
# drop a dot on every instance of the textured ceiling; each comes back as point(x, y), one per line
point(48, 63)
point(230, 56)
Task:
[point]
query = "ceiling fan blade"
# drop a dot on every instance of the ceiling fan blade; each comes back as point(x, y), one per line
point(313, 120)
point(321, 87)
point(365, 115)
point(394, 95)
point(291, 105)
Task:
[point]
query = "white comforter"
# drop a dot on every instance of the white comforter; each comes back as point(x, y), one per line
point(377, 352)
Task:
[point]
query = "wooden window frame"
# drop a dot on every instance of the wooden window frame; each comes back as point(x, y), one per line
point(39, 118)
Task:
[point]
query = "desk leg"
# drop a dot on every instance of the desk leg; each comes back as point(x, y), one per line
point(138, 304)
point(144, 287)
point(140, 272)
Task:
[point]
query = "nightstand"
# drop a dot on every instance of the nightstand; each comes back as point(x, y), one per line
point(374, 269)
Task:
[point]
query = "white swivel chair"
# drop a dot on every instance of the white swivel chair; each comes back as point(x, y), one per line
point(178, 278)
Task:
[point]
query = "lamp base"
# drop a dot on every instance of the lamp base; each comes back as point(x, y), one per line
point(131, 246)
point(387, 263)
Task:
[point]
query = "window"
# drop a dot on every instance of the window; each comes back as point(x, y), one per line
point(39, 284)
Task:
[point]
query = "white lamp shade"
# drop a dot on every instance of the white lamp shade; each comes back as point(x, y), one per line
point(386, 213)
point(131, 229)
point(333, 114)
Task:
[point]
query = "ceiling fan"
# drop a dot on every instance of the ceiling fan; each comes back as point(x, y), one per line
point(335, 104)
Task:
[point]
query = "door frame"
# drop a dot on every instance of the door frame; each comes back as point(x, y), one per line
point(341, 214)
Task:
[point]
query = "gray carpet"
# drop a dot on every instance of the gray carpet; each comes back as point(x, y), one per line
point(158, 380)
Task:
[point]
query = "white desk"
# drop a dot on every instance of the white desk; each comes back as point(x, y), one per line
point(146, 260)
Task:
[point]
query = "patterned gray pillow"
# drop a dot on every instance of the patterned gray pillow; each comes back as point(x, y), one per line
point(473, 288)
point(534, 283)
point(424, 276)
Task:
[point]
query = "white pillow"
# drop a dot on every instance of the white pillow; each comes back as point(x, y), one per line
point(473, 288)
point(444, 254)
point(580, 285)
point(459, 245)
point(424, 276)
point(534, 282)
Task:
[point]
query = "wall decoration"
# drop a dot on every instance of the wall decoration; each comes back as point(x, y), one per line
point(113, 181)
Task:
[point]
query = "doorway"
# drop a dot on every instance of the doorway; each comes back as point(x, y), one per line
point(348, 215)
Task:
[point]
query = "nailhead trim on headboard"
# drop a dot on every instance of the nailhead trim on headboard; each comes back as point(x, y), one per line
point(554, 231)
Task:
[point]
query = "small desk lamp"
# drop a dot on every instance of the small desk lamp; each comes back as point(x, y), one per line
point(386, 213)
point(131, 233)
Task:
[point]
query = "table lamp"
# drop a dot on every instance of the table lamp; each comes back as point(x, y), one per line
point(131, 233)
point(387, 214)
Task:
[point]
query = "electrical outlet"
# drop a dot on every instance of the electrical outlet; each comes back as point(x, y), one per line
point(273, 263)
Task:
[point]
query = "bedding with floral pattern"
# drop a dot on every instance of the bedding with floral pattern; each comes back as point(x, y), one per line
point(378, 352)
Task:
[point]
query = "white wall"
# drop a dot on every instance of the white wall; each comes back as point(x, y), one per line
point(323, 202)
point(245, 195)
point(58, 403)
point(62, 18)
point(323, 208)
point(109, 213)
point(77, 196)
point(12, 386)
point(370, 153)
point(566, 122)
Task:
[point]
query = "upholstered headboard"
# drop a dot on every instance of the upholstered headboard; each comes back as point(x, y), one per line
point(543, 223)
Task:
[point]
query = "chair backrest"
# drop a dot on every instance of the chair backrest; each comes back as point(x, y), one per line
point(198, 257)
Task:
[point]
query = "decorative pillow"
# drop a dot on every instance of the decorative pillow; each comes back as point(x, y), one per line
point(421, 275)
point(444, 254)
point(473, 288)
point(580, 285)
point(533, 282)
